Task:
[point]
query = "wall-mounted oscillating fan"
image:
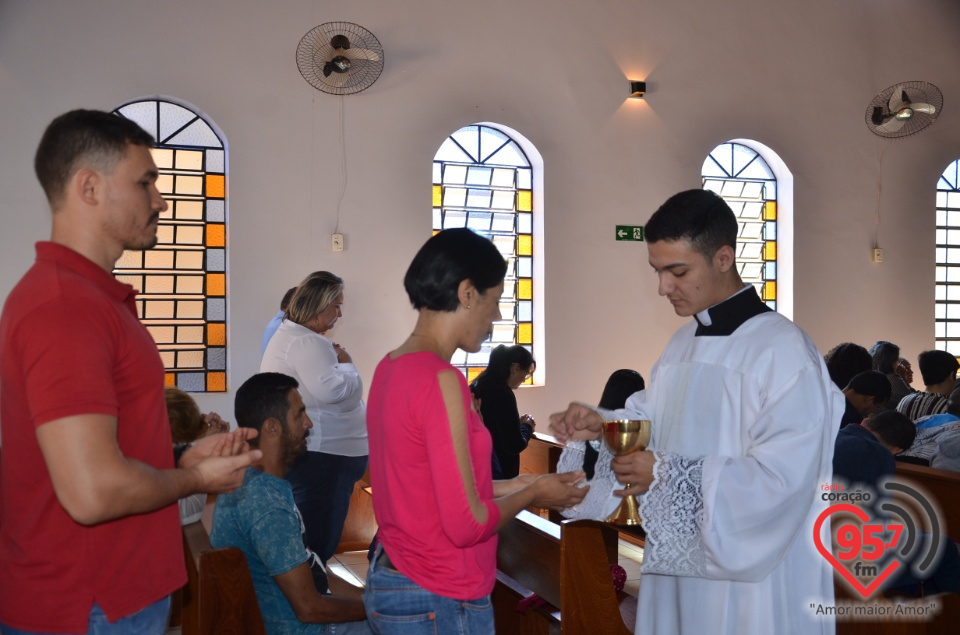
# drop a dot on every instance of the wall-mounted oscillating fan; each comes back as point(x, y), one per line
point(904, 109)
point(340, 58)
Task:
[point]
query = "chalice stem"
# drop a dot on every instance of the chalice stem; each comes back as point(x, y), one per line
point(628, 512)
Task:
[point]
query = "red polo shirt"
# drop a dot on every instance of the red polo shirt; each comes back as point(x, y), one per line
point(71, 344)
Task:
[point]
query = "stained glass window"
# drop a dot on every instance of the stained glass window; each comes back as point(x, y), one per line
point(947, 289)
point(745, 181)
point(182, 281)
point(482, 179)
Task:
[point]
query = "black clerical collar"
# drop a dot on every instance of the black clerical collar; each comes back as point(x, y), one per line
point(726, 317)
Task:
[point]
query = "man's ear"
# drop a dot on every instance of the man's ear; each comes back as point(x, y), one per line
point(724, 258)
point(86, 184)
point(271, 428)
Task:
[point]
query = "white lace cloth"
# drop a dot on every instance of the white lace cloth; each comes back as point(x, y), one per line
point(599, 501)
point(672, 513)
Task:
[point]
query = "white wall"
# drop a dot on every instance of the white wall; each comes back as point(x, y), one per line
point(795, 76)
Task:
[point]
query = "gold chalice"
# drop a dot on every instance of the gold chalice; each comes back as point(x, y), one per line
point(625, 436)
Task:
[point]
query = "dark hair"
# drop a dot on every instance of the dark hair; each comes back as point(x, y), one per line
point(886, 356)
point(447, 259)
point(83, 138)
point(501, 359)
point(846, 360)
point(285, 301)
point(894, 428)
point(936, 366)
point(186, 420)
point(263, 396)
point(871, 383)
point(700, 216)
point(621, 384)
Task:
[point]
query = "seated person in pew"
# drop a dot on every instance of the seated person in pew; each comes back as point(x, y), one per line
point(187, 424)
point(936, 435)
point(261, 519)
point(864, 455)
point(865, 394)
point(594, 458)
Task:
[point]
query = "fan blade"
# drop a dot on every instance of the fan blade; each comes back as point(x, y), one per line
point(327, 69)
point(927, 109)
point(361, 54)
point(893, 125)
point(338, 79)
point(897, 99)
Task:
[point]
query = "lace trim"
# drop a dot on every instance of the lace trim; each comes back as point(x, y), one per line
point(672, 513)
point(599, 501)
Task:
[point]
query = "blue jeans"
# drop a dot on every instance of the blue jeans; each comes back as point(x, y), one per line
point(322, 486)
point(151, 620)
point(397, 605)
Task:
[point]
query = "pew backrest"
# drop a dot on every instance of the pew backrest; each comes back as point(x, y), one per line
point(942, 485)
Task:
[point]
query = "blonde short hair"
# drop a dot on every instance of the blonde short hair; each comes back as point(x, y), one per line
point(317, 291)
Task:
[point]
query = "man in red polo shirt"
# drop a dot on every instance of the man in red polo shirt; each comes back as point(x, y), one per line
point(89, 529)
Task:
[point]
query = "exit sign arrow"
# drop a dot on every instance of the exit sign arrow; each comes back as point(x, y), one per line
point(630, 232)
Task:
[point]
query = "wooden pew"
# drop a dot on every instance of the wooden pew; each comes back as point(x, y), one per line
point(942, 485)
point(219, 598)
point(568, 565)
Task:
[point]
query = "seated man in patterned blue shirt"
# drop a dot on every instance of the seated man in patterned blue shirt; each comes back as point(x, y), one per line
point(261, 519)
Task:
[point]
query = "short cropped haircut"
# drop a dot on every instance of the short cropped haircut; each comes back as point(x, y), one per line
point(448, 258)
point(186, 420)
point(700, 216)
point(846, 360)
point(620, 385)
point(502, 358)
point(312, 296)
point(263, 396)
point(83, 138)
point(871, 383)
point(886, 356)
point(936, 366)
point(894, 428)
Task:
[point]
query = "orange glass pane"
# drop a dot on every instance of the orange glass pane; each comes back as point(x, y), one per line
point(770, 250)
point(525, 333)
point(216, 284)
point(216, 235)
point(770, 210)
point(437, 196)
point(525, 289)
point(216, 334)
point(216, 186)
point(770, 290)
point(169, 379)
point(473, 373)
point(216, 382)
point(524, 201)
point(524, 245)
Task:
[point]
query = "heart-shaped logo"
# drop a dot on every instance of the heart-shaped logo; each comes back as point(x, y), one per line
point(865, 591)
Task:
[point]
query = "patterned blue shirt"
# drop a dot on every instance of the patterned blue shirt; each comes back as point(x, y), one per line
point(261, 519)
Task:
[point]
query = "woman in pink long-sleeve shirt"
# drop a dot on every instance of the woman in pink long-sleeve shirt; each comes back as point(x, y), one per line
point(433, 496)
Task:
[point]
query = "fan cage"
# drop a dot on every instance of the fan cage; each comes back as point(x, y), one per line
point(315, 50)
point(918, 92)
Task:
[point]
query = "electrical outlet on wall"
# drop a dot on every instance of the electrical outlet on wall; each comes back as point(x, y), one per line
point(877, 255)
point(336, 242)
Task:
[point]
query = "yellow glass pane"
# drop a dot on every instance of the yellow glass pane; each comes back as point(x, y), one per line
point(161, 334)
point(525, 333)
point(216, 334)
point(158, 309)
point(216, 235)
point(165, 235)
point(216, 382)
point(473, 373)
point(216, 186)
point(159, 284)
point(216, 284)
point(163, 157)
point(524, 245)
point(189, 235)
point(189, 359)
point(169, 379)
point(770, 210)
point(525, 289)
point(189, 159)
point(168, 358)
point(770, 250)
point(165, 183)
point(524, 201)
point(189, 335)
point(158, 259)
point(187, 310)
point(770, 290)
point(190, 284)
point(189, 260)
point(437, 196)
point(189, 210)
point(189, 185)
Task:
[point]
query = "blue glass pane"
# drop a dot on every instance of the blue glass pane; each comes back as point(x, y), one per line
point(216, 309)
point(525, 267)
point(742, 157)
point(770, 270)
point(509, 154)
point(144, 113)
point(196, 134)
point(710, 168)
point(524, 180)
point(525, 311)
point(217, 359)
point(437, 167)
point(450, 151)
point(216, 260)
point(490, 140)
point(215, 212)
point(215, 161)
point(479, 198)
point(191, 382)
point(770, 230)
point(479, 221)
point(172, 118)
point(479, 176)
point(469, 140)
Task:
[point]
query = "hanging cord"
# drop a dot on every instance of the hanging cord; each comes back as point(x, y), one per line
point(343, 165)
point(876, 239)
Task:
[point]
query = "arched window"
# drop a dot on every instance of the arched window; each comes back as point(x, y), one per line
point(182, 281)
point(947, 290)
point(741, 176)
point(484, 180)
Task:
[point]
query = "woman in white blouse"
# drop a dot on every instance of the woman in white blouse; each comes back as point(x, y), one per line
point(324, 478)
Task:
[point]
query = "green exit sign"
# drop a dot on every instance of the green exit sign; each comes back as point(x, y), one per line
point(629, 232)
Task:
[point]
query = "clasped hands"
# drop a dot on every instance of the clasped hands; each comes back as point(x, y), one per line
point(580, 422)
point(221, 459)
